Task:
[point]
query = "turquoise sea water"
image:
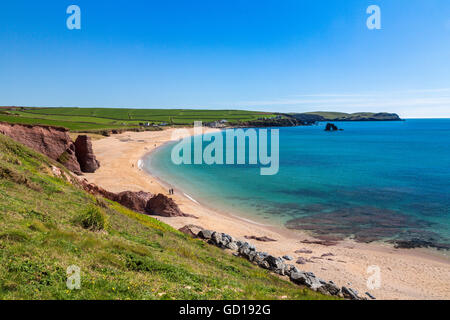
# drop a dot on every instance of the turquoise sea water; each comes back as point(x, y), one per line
point(372, 181)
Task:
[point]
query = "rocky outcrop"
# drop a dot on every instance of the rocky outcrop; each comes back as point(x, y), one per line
point(349, 293)
point(331, 127)
point(54, 142)
point(162, 205)
point(275, 264)
point(96, 190)
point(191, 230)
point(85, 154)
point(136, 201)
point(142, 202)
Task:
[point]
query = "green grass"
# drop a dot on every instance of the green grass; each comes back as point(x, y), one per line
point(122, 254)
point(89, 119)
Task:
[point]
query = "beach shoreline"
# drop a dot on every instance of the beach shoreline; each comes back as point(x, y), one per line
point(405, 274)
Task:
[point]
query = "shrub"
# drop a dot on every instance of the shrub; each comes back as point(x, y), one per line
point(94, 219)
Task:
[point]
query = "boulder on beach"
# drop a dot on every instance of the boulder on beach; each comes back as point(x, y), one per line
point(261, 239)
point(191, 230)
point(161, 205)
point(136, 201)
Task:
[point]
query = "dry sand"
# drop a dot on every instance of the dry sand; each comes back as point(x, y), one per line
point(405, 274)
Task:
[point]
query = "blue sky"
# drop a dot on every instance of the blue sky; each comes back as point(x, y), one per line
point(284, 55)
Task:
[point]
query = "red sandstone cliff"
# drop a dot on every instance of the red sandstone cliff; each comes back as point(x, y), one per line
point(54, 142)
point(85, 154)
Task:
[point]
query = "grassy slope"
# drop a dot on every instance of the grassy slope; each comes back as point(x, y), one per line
point(138, 257)
point(80, 119)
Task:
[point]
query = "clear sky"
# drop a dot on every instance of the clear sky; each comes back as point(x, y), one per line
point(277, 55)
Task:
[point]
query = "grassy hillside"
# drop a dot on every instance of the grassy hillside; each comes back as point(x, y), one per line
point(47, 224)
point(85, 119)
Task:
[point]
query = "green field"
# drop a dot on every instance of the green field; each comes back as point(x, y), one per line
point(94, 119)
point(48, 224)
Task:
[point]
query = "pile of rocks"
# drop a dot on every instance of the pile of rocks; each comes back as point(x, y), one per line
point(276, 264)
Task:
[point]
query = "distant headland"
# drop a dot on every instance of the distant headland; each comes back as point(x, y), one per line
point(115, 120)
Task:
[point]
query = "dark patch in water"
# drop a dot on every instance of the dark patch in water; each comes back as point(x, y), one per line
point(303, 192)
point(364, 224)
point(430, 209)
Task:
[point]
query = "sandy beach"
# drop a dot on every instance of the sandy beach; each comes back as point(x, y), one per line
point(405, 274)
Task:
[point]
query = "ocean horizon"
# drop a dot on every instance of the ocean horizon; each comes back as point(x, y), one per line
point(373, 181)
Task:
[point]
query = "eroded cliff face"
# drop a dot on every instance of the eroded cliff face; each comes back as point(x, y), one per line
point(55, 143)
point(85, 154)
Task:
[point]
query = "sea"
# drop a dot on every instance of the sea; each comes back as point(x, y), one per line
point(370, 181)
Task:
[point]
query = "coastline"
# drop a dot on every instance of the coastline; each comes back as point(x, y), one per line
point(405, 274)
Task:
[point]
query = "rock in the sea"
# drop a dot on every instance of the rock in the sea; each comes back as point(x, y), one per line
point(54, 142)
point(331, 127)
point(85, 154)
point(161, 205)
